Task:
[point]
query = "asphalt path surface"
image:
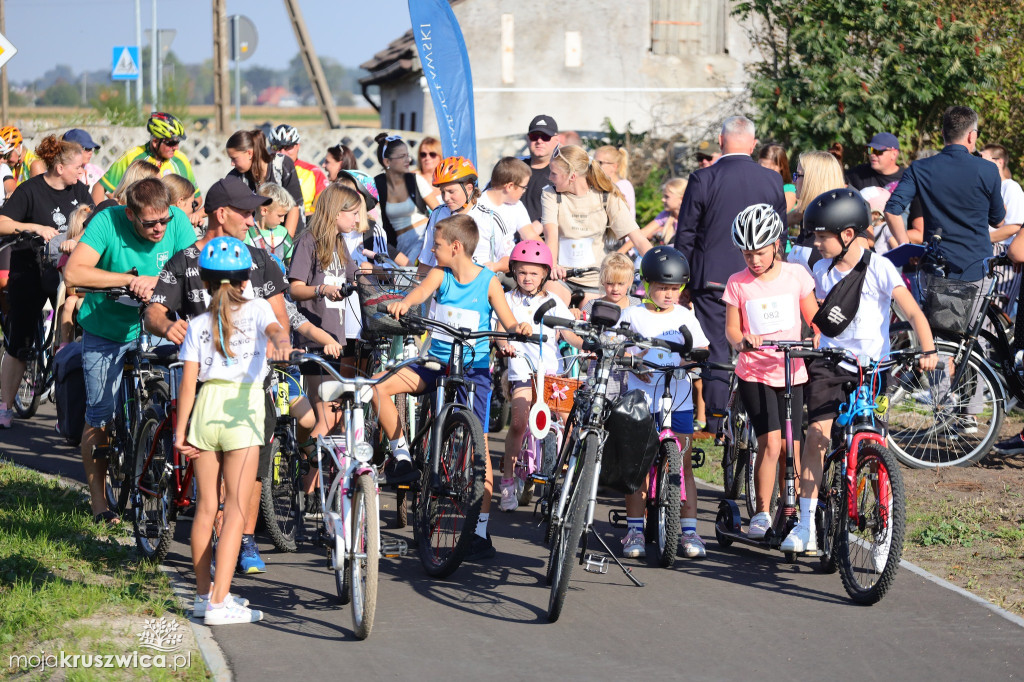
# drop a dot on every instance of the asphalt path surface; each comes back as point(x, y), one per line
point(736, 614)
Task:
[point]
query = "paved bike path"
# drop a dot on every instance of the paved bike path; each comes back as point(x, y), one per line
point(739, 612)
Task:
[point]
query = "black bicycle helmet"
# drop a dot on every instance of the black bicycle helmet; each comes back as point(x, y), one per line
point(664, 265)
point(837, 210)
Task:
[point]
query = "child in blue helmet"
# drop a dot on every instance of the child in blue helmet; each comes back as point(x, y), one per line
point(226, 349)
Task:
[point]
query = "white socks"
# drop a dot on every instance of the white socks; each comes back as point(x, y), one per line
point(807, 505)
point(481, 525)
point(400, 449)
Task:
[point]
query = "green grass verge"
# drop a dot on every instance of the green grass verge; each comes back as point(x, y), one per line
point(67, 580)
point(711, 472)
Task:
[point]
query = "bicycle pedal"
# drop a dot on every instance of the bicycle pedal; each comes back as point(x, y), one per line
point(596, 563)
point(393, 548)
point(810, 553)
point(617, 518)
point(540, 479)
point(697, 457)
point(102, 452)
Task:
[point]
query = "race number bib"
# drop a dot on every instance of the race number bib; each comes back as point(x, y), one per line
point(334, 281)
point(454, 317)
point(576, 253)
point(771, 314)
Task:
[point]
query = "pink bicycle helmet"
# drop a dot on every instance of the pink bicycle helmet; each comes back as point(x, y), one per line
point(533, 252)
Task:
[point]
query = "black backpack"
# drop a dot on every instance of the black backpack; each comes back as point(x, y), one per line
point(69, 387)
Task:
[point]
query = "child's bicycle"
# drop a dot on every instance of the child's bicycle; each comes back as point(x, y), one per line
point(450, 448)
point(349, 525)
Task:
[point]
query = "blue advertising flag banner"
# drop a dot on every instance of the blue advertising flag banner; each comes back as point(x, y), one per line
point(446, 67)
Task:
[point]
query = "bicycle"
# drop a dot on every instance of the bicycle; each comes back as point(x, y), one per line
point(450, 448)
point(951, 415)
point(569, 511)
point(350, 496)
point(861, 512)
point(282, 484)
point(37, 381)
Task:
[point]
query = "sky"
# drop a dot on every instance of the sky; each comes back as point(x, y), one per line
point(82, 33)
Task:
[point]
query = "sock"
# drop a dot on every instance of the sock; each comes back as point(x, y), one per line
point(481, 525)
point(505, 482)
point(246, 539)
point(807, 504)
point(205, 597)
point(634, 524)
point(689, 525)
point(400, 449)
point(216, 606)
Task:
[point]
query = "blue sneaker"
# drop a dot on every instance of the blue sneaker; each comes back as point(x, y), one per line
point(249, 560)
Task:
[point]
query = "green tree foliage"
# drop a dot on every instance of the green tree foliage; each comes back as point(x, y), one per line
point(841, 71)
point(61, 94)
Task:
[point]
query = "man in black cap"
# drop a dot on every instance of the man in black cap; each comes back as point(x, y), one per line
point(180, 295)
point(543, 141)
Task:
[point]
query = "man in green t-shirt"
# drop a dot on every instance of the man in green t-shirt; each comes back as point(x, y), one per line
point(141, 236)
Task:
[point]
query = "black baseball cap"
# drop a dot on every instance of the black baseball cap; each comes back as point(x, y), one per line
point(231, 191)
point(543, 124)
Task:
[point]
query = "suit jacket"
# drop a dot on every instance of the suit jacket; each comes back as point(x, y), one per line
point(713, 198)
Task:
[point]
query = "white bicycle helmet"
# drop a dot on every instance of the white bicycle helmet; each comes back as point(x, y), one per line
point(756, 227)
point(283, 136)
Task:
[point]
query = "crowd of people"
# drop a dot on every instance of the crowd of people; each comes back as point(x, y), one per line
point(744, 251)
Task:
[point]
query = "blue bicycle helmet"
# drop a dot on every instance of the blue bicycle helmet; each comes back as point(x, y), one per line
point(366, 186)
point(225, 258)
point(280, 264)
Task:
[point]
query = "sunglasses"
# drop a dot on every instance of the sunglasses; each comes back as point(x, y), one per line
point(703, 157)
point(539, 136)
point(432, 155)
point(878, 152)
point(171, 142)
point(150, 224)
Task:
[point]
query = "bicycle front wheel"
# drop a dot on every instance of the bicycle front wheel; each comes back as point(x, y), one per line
point(871, 545)
point(570, 529)
point(30, 391)
point(932, 424)
point(663, 507)
point(449, 502)
point(278, 495)
point(363, 562)
point(152, 522)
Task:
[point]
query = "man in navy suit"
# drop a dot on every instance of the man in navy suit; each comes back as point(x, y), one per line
point(713, 198)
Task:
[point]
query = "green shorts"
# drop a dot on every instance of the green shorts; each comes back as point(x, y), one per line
point(227, 416)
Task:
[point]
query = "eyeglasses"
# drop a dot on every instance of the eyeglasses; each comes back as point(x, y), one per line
point(523, 187)
point(150, 224)
point(702, 157)
point(432, 155)
point(398, 156)
point(539, 136)
point(879, 152)
point(171, 142)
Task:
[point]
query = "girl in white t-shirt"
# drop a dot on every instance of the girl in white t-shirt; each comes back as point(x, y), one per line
point(531, 266)
point(226, 349)
point(764, 302)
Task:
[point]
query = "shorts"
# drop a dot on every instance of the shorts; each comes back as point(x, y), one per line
point(478, 376)
point(824, 390)
point(25, 300)
point(228, 416)
point(766, 407)
point(682, 422)
point(102, 365)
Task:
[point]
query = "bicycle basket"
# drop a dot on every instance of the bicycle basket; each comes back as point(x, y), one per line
point(949, 303)
point(386, 286)
point(560, 392)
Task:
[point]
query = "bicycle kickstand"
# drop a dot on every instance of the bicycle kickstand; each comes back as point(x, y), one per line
point(627, 571)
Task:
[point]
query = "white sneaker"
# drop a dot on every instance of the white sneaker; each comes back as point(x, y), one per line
point(801, 539)
point(509, 498)
point(633, 545)
point(199, 604)
point(232, 613)
point(759, 526)
point(693, 545)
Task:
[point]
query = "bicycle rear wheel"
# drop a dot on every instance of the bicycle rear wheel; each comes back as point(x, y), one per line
point(152, 522)
point(570, 529)
point(663, 507)
point(363, 564)
point(870, 547)
point(932, 424)
point(831, 505)
point(449, 503)
point(30, 391)
point(278, 495)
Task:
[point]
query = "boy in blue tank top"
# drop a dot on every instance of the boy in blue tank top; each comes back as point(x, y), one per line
point(467, 295)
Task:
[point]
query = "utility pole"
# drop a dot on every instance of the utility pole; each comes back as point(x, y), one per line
point(313, 68)
point(4, 98)
point(221, 85)
point(154, 60)
point(138, 44)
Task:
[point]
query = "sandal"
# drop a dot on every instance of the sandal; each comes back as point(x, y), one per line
point(108, 517)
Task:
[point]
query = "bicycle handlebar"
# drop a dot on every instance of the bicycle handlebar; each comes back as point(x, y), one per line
point(580, 272)
point(464, 334)
point(19, 237)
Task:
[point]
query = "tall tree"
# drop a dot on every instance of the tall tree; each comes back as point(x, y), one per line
point(841, 71)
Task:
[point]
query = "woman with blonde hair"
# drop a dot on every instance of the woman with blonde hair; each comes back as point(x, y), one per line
point(429, 156)
point(577, 208)
point(614, 161)
point(816, 172)
point(321, 265)
point(139, 169)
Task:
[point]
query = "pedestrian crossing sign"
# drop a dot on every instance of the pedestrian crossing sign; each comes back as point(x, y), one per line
point(7, 50)
point(125, 63)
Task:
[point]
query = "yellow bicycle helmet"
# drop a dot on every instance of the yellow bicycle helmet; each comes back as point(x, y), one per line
point(164, 126)
point(11, 135)
point(454, 169)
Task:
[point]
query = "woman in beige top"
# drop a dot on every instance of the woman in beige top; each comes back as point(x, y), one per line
point(576, 208)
